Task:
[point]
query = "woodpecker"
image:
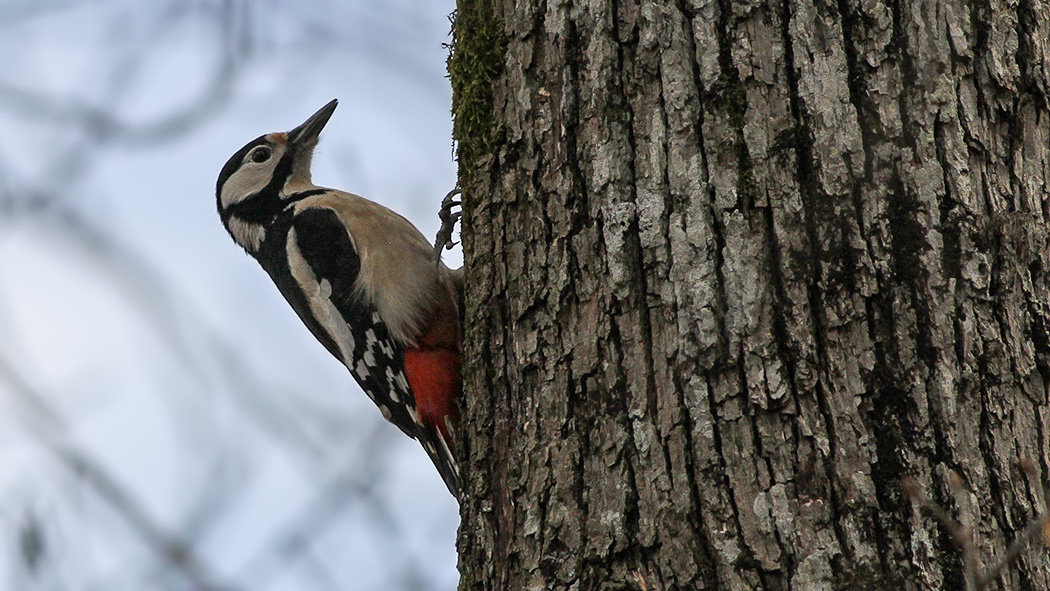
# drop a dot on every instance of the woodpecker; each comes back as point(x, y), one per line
point(362, 278)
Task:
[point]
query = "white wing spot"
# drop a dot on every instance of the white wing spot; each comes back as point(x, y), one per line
point(369, 358)
point(362, 371)
point(388, 351)
point(392, 380)
point(384, 411)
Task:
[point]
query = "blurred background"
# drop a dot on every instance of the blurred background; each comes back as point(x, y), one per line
point(166, 422)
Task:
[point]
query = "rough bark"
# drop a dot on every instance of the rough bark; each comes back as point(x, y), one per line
point(734, 270)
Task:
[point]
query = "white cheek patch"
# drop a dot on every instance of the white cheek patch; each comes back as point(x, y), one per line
point(318, 297)
point(249, 179)
point(243, 184)
point(250, 236)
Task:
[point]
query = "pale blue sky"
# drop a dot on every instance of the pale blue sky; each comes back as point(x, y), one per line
point(172, 361)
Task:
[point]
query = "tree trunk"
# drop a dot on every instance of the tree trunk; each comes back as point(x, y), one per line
point(734, 270)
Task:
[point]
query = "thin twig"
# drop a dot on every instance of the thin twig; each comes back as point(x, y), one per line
point(49, 427)
point(961, 530)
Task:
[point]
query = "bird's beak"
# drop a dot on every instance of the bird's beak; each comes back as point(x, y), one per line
point(312, 127)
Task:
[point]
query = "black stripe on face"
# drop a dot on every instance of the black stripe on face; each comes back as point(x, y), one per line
point(281, 172)
point(264, 206)
point(260, 207)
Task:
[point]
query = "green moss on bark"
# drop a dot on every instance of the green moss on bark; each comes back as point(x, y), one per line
point(474, 63)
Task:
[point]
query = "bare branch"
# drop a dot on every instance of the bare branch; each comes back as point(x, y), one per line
point(48, 427)
point(962, 530)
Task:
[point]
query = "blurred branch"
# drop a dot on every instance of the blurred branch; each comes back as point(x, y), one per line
point(172, 314)
point(961, 530)
point(49, 428)
point(104, 126)
point(293, 540)
point(83, 124)
point(16, 12)
point(99, 126)
point(174, 319)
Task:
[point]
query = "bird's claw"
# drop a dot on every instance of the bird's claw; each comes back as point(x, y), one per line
point(448, 222)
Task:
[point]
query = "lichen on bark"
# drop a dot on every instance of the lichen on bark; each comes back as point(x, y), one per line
point(735, 269)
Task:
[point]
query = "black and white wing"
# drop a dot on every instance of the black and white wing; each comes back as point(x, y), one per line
point(323, 265)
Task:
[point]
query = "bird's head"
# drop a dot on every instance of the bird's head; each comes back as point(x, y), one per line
point(255, 181)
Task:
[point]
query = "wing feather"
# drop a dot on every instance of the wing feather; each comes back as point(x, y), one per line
point(324, 262)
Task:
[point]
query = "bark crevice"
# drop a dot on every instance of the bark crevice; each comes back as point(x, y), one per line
point(735, 270)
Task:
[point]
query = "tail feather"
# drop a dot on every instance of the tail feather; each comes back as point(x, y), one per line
point(434, 376)
point(439, 446)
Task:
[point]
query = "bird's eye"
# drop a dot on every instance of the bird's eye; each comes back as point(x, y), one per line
point(261, 154)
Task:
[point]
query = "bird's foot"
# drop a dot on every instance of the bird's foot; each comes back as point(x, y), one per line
point(448, 222)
